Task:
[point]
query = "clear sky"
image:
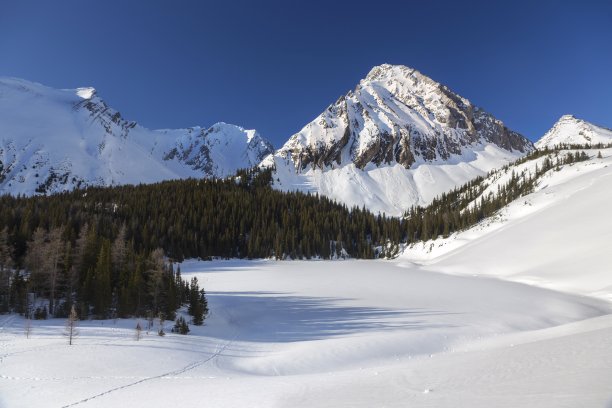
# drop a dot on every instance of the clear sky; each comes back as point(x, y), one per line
point(275, 65)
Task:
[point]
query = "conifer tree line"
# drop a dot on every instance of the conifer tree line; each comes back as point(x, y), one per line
point(109, 250)
point(242, 217)
point(465, 206)
point(98, 277)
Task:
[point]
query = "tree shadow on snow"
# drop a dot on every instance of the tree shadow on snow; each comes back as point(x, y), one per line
point(279, 317)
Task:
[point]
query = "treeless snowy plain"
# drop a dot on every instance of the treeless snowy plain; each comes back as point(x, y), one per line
point(341, 333)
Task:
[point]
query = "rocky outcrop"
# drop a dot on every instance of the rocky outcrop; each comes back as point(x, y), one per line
point(209, 151)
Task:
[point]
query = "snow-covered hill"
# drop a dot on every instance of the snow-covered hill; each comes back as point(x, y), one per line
point(556, 237)
point(397, 140)
point(571, 130)
point(55, 140)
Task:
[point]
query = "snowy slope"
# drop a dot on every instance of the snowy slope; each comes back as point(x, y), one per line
point(571, 130)
point(55, 140)
point(397, 140)
point(557, 237)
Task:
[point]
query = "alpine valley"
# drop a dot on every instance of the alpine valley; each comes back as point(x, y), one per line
point(218, 281)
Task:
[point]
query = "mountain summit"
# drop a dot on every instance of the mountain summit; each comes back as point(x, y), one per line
point(571, 130)
point(399, 139)
point(397, 115)
point(55, 140)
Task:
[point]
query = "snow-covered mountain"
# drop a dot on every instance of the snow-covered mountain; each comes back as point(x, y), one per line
point(55, 140)
point(571, 130)
point(397, 140)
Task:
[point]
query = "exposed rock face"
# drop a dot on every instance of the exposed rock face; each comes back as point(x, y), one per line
point(397, 115)
point(219, 150)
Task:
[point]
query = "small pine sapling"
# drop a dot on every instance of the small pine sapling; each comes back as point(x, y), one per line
point(27, 327)
point(162, 319)
point(71, 324)
point(138, 335)
point(180, 326)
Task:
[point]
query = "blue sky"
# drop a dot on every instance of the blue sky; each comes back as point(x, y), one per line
point(275, 65)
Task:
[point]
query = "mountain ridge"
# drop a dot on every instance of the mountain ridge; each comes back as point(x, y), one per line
point(54, 140)
point(398, 139)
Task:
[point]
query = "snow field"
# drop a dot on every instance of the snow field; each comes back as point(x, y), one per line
point(318, 334)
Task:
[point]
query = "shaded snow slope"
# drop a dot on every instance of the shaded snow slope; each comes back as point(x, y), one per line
point(397, 140)
point(328, 334)
point(557, 237)
point(55, 140)
point(391, 188)
point(571, 130)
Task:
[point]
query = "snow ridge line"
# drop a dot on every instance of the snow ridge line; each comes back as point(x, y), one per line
point(182, 370)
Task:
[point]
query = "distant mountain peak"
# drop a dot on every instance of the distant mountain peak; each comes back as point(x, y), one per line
point(568, 117)
point(381, 72)
point(572, 130)
point(389, 71)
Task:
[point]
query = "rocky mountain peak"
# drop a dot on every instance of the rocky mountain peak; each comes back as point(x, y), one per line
point(399, 73)
point(569, 118)
point(397, 115)
point(383, 71)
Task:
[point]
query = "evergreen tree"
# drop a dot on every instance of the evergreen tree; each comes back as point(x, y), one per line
point(35, 259)
point(6, 264)
point(44, 256)
point(119, 254)
point(198, 307)
point(102, 298)
point(162, 319)
point(54, 254)
point(138, 335)
point(155, 279)
point(180, 326)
